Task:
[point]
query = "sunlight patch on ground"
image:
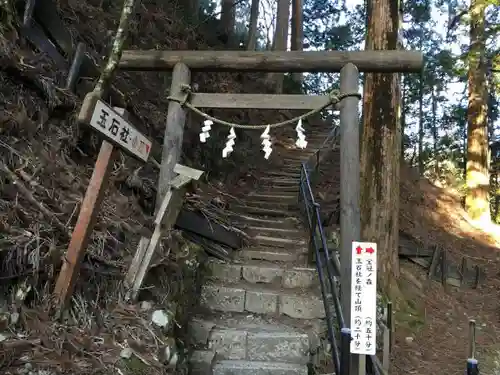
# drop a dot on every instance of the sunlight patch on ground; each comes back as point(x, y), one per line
point(488, 227)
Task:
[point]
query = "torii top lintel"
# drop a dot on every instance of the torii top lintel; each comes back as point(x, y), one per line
point(392, 61)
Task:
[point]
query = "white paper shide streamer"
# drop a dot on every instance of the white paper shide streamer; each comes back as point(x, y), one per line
point(229, 144)
point(301, 137)
point(266, 142)
point(205, 130)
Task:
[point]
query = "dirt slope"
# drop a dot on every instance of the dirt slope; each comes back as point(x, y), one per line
point(432, 335)
point(46, 160)
point(436, 340)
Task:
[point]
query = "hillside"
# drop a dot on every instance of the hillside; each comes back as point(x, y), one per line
point(433, 333)
point(46, 160)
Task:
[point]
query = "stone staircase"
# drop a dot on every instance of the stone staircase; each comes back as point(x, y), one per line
point(263, 313)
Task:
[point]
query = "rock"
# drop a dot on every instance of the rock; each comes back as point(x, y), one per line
point(146, 305)
point(409, 339)
point(126, 353)
point(160, 318)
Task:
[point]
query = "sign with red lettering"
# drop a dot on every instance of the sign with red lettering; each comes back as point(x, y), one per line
point(364, 298)
point(119, 131)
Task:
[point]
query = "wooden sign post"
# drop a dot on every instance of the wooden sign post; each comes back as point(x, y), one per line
point(146, 248)
point(118, 131)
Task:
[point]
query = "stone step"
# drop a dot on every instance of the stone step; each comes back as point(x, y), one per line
point(272, 255)
point(261, 211)
point(280, 181)
point(279, 205)
point(244, 221)
point(284, 189)
point(203, 323)
point(273, 241)
point(227, 367)
point(273, 197)
point(201, 362)
point(253, 338)
point(295, 162)
point(270, 230)
point(263, 299)
point(288, 276)
point(281, 173)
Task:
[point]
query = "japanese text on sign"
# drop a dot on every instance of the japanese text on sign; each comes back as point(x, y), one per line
point(364, 298)
point(106, 121)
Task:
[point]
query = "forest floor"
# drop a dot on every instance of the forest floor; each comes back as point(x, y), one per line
point(436, 337)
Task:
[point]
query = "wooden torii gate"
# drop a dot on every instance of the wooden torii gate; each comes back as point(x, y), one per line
point(349, 64)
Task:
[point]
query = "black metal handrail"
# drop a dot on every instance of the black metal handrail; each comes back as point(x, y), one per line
point(329, 281)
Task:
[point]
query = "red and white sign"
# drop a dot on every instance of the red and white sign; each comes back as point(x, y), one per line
point(109, 123)
point(364, 298)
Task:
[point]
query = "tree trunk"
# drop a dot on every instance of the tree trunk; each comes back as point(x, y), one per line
point(191, 9)
point(421, 130)
point(252, 31)
point(435, 139)
point(281, 37)
point(227, 20)
point(478, 181)
point(404, 93)
point(297, 32)
point(380, 152)
point(111, 66)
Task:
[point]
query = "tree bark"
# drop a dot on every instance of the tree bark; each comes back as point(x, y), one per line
point(297, 37)
point(281, 37)
point(380, 152)
point(404, 102)
point(421, 128)
point(116, 52)
point(191, 10)
point(435, 134)
point(252, 31)
point(478, 181)
point(227, 20)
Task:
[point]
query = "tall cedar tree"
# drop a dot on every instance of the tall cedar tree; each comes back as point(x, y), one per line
point(478, 180)
point(381, 146)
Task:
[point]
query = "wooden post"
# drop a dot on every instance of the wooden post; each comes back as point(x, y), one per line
point(85, 223)
point(350, 218)
point(172, 141)
point(168, 200)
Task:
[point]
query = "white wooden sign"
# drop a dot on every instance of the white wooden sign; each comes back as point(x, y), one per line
point(108, 122)
point(364, 298)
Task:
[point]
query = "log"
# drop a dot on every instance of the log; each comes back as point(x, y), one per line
point(394, 61)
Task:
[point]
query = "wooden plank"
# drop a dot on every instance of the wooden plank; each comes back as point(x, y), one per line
point(258, 101)
point(279, 62)
point(85, 223)
point(47, 15)
point(200, 225)
point(144, 253)
point(35, 35)
point(136, 262)
point(424, 262)
point(192, 173)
